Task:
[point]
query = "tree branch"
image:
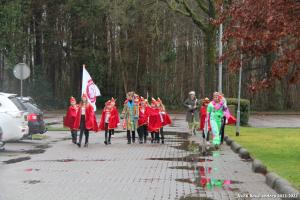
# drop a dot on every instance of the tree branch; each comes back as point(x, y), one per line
point(194, 16)
point(200, 3)
point(176, 9)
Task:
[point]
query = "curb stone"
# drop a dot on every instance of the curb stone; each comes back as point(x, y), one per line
point(258, 167)
point(228, 141)
point(243, 153)
point(271, 178)
point(226, 137)
point(235, 147)
point(282, 186)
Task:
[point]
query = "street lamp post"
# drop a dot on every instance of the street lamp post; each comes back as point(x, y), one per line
point(220, 55)
point(238, 116)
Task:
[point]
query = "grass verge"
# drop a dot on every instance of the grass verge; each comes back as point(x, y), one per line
point(277, 148)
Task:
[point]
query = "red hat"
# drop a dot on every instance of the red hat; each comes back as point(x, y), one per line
point(72, 99)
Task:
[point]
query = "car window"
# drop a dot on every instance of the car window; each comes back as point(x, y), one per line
point(18, 103)
point(32, 108)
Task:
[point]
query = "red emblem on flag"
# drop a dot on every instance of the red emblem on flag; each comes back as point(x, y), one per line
point(91, 91)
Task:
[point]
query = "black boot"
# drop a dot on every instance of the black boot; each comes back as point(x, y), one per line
point(133, 136)
point(152, 137)
point(109, 136)
point(128, 137)
point(105, 141)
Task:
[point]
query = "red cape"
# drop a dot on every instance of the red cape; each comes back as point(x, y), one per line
point(231, 120)
point(202, 116)
point(114, 119)
point(70, 117)
point(143, 117)
point(154, 122)
point(90, 118)
point(167, 119)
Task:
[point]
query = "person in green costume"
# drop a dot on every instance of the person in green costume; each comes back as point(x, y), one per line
point(215, 111)
point(131, 115)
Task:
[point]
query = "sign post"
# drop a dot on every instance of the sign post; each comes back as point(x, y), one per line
point(21, 72)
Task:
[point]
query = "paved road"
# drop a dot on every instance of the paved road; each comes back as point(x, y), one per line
point(54, 169)
point(275, 121)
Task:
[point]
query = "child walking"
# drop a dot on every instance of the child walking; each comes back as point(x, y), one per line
point(215, 112)
point(85, 120)
point(131, 115)
point(143, 121)
point(165, 119)
point(203, 116)
point(109, 121)
point(70, 117)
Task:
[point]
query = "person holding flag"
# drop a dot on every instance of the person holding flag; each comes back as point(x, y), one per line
point(85, 120)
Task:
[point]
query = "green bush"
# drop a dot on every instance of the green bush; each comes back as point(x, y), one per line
point(245, 109)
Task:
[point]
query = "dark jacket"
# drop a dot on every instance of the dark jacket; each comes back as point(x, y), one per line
point(192, 113)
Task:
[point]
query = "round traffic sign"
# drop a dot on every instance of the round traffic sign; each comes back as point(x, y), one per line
point(21, 71)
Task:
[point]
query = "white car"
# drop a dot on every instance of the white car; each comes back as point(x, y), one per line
point(13, 120)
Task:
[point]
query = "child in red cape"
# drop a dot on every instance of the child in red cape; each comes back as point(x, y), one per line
point(155, 122)
point(70, 117)
point(165, 119)
point(202, 116)
point(85, 120)
point(109, 120)
point(113, 104)
point(143, 121)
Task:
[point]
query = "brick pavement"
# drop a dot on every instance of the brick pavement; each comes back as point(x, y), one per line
point(120, 171)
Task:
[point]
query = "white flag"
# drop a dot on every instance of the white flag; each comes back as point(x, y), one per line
point(89, 88)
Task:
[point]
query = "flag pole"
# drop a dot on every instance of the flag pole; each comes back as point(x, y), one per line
point(83, 67)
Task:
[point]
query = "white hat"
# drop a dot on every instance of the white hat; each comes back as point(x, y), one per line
point(192, 93)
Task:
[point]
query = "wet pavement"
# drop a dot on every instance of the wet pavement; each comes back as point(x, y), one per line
point(54, 168)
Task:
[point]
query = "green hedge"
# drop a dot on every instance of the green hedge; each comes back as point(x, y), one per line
point(245, 109)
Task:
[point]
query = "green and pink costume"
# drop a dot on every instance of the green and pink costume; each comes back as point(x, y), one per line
point(216, 111)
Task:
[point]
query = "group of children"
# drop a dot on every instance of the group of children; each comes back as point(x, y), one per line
point(138, 116)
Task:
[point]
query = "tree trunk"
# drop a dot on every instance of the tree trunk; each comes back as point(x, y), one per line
point(210, 62)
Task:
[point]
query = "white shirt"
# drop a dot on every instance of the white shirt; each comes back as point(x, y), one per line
point(107, 116)
point(82, 110)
